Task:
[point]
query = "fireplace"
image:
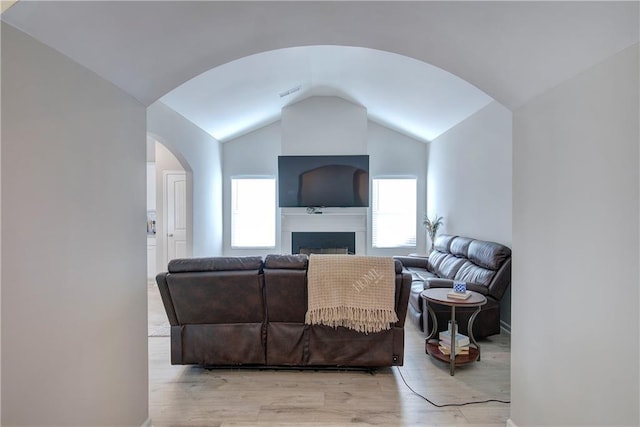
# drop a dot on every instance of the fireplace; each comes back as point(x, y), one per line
point(330, 221)
point(323, 242)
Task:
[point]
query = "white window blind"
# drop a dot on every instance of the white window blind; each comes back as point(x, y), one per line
point(394, 212)
point(253, 212)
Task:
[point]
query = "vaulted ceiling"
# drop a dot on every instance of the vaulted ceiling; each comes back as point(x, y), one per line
point(418, 67)
point(402, 93)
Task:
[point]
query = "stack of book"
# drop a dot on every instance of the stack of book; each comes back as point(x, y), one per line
point(461, 343)
point(459, 295)
point(459, 291)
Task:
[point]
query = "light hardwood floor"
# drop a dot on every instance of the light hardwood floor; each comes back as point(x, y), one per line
point(192, 396)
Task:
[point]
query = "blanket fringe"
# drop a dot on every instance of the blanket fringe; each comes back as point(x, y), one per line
point(358, 319)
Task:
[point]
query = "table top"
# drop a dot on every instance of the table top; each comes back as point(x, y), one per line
point(439, 295)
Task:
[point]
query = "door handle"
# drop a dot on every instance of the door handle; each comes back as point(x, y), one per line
point(170, 235)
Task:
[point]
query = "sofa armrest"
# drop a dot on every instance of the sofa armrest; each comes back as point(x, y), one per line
point(436, 282)
point(501, 281)
point(403, 289)
point(413, 261)
point(163, 286)
point(433, 282)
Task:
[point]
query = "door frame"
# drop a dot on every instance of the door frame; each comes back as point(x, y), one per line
point(165, 216)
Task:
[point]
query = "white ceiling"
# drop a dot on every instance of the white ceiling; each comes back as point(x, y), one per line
point(512, 51)
point(410, 96)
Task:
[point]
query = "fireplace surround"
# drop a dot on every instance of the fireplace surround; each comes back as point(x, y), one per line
point(332, 221)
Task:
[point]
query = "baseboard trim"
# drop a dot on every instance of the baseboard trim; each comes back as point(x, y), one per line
point(147, 423)
point(505, 327)
point(510, 423)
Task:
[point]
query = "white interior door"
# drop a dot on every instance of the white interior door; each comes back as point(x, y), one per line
point(176, 215)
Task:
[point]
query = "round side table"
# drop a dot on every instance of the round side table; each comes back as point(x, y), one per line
point(439, 296)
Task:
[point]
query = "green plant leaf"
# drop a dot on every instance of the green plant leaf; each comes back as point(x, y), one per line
point(432, 226)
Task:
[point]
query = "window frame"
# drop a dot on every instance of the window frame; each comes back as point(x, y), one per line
point(233, 211)
point(374, 201)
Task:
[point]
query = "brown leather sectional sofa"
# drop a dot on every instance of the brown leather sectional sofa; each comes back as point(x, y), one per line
point(231, 311)
point(485, 266)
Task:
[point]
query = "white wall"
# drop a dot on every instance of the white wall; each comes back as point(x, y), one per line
point(469, 176)
point(253, 154)
point(392, 154)
point(151, 150)
point(325, 125)
point(3, 5)
point(576, 189)
point(151, 186)
point(74, 318)
point(201, 155)
point(469, 181)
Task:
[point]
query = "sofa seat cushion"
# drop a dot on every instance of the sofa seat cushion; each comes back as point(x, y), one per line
point(419, 273)
point(417, 286)
point(415, 316)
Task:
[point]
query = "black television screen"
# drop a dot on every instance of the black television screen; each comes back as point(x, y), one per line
point(329, 181)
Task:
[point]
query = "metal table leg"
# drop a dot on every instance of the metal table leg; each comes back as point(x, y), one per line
point(434, 320)
point(470, 329)
point(452, 353)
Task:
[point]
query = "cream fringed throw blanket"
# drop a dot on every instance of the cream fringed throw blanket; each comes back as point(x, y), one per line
point(357, 292)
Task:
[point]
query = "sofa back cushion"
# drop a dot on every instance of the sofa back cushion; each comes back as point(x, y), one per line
point(216, 290)
point(488, 254)
point(285, 278)
point(469, 272)
point(192, 265)
point(460, 246)
point(435, 258)
point(443, 242)
point(449, 266)
point(287, 262)
point(441, 247)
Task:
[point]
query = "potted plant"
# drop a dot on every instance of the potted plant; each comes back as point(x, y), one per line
point(432, 228)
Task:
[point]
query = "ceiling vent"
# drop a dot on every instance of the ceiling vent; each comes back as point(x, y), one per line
point(290, 91)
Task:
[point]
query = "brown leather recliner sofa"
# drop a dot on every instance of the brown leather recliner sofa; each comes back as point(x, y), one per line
point(231, 311)
point(485, 266)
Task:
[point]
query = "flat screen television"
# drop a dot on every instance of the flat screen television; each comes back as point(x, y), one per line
point(327, 181)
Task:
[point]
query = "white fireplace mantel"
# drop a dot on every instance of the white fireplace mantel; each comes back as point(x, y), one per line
point(330, 220)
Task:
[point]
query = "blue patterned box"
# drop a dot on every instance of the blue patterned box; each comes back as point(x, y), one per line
point(460, 287)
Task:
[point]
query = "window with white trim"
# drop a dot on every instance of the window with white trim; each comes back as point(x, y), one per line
point(393, 212)
point(253, 212)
